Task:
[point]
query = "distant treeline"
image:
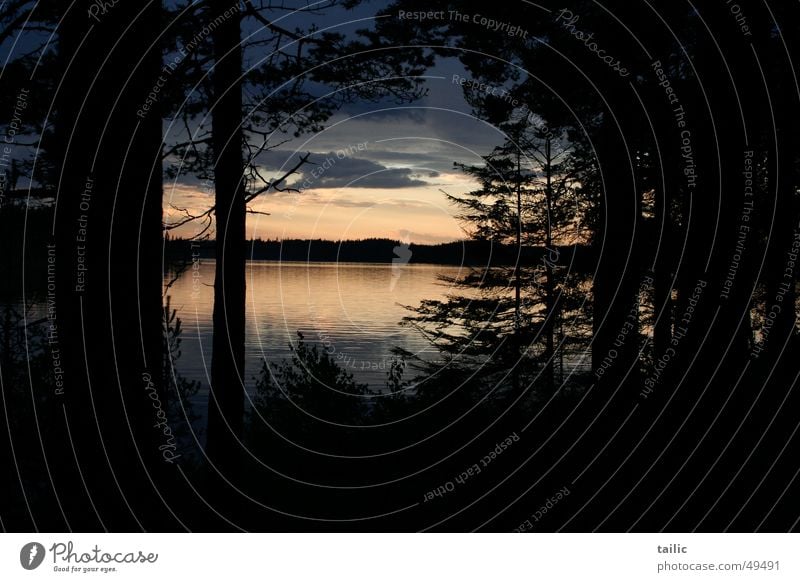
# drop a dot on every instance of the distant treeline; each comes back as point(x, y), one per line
point(34, 225)
point(380, 250)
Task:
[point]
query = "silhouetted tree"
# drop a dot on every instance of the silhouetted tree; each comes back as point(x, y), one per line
point(280, 102)
point(226, 400)
point(309, 399)
point(502, 320)
point(108, 288)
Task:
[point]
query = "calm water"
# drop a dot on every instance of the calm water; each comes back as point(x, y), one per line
point(354, 308)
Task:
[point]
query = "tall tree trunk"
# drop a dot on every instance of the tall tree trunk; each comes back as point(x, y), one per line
point(783, 182)
point(108, 244)
point(616, 283)
point(550, 293)
point(516, 361)
point(663, 262)
point(226, 403)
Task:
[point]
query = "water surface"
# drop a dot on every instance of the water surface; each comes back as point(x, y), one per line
point(352, 310)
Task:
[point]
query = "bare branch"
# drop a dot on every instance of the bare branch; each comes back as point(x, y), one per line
point(275, 184)
point(191, 142)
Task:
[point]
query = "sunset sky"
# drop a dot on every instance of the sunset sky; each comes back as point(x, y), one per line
point(380, 171)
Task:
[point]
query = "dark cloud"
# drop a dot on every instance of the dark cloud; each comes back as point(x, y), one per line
point(332, 170)
point(423, 161)
point(386, 112)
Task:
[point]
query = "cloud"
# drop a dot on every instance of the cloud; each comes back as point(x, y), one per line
point(330, 169)
point(386, 113)
point(333, 171)
point(351, 202)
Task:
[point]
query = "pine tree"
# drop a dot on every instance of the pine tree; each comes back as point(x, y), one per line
point(503, 321)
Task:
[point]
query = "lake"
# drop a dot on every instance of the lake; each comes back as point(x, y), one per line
point(352, 309)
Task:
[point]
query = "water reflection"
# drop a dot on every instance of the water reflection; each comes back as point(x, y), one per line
point(352, 309)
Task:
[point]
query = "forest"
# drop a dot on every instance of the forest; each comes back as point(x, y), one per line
point(615, 345)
